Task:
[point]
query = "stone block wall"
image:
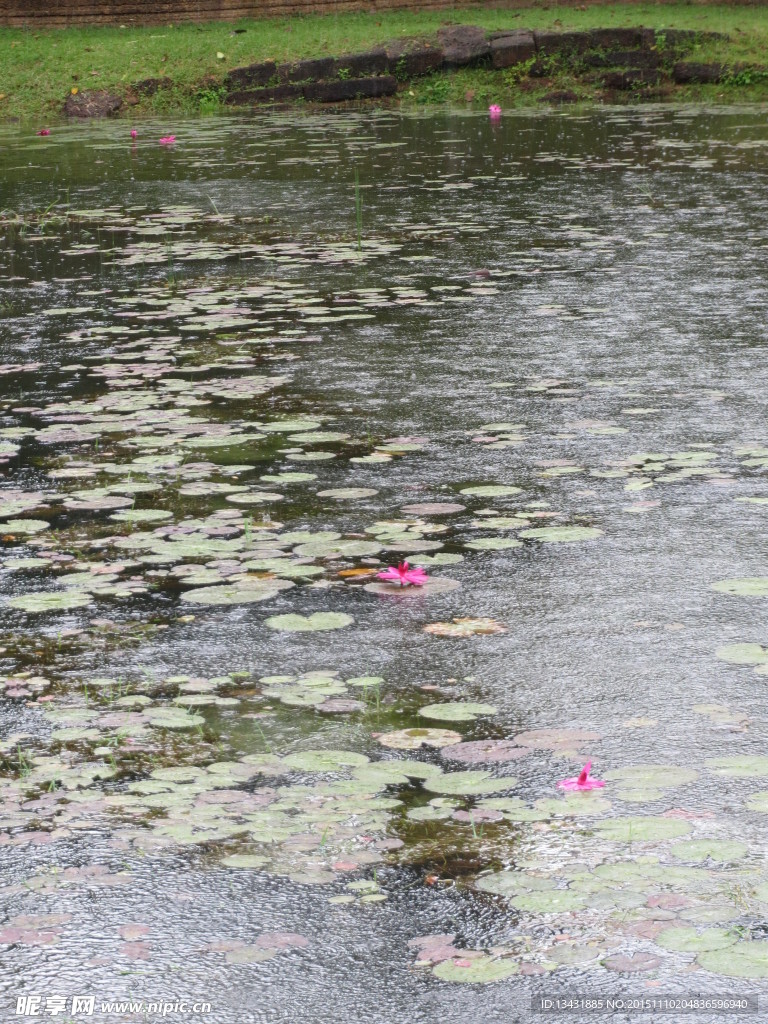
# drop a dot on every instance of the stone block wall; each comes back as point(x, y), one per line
point(61, 13)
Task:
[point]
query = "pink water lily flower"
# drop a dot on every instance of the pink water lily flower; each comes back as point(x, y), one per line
point(582, 782)
point(134, 133)
point(494, 111)
point(404, 575)
point(44, 131)
point(167, 140)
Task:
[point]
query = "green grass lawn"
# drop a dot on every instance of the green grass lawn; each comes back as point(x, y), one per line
point(40, 68)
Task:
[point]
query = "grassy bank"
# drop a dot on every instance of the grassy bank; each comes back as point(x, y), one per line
point(41, 68)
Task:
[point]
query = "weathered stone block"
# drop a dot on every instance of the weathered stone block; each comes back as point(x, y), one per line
point(251, 76)
point(513, 48)
point(405, 63)
point(361, 65)
point(621, 38)
point(559, 97)
point(548, 43)
point(630, 79)
point(463, 44)
point(623, 59)
point(690, 71)
point(149, 86)
point(350, 89)
point(268, 94)
point(93, 103)
point(307, 70)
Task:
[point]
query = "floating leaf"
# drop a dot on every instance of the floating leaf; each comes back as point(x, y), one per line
point(688, 940)
point(641, 829)
point(476, 971)
point(39, 603)
point(709, 849)
point(742, 960)
point(561, 534)
point(493, 544)
point(479, 751)
point(309, 623)
point(747, 766)
point(247, 592)
point(464, 627)
point(468, 783)
point(745, 586)
point(412, 739)
point(457, 712)
point(325, 760)
point(491, 491)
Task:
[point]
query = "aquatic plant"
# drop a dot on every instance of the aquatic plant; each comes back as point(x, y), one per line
point(582, 781)
point(404, 575)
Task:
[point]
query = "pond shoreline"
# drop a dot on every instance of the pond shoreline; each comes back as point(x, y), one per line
point(620, 53)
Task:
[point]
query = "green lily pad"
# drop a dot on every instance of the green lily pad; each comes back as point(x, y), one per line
point(412, 739)
point(476, 971)
point(39, 603)
point(309, 623)
point(688, 940)
point(505, 883)
point(745, 767)
point(573, 805)
point(468, 783)
point(247, 592)
point(745, 586)
point(561, 534)
point(348, 493)
point(244, 860)
point(324, 760)
point(25, 526)
point(141, 515)
point(709, 849)
point(553, 901)
point(493, 544)
point(743, 654)
point(642, 829)
point(491, 491)
point(742, 960)
point(172, 718)
point(457, 712)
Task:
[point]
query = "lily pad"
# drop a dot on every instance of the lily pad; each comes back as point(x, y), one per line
point(465, 627)
point(743, 654)
point(412, 739)
point(747, 766)
point(348, 493)
point(476, 971)
point(742, 960)
point(324, 760)
point(553, 901)
point(457, 712)
point(744, 586)
point(641, 829)
point(25, 526)
point(709, 849)
point(309, 623)
point(689, 940)
point(561, 534)
point(246, 592)
point(468, 783)
point(39, 603)
point(493, 544)
point(482, 751)
point(491, 491)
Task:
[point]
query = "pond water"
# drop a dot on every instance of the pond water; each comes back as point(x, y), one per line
point(235, 385)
